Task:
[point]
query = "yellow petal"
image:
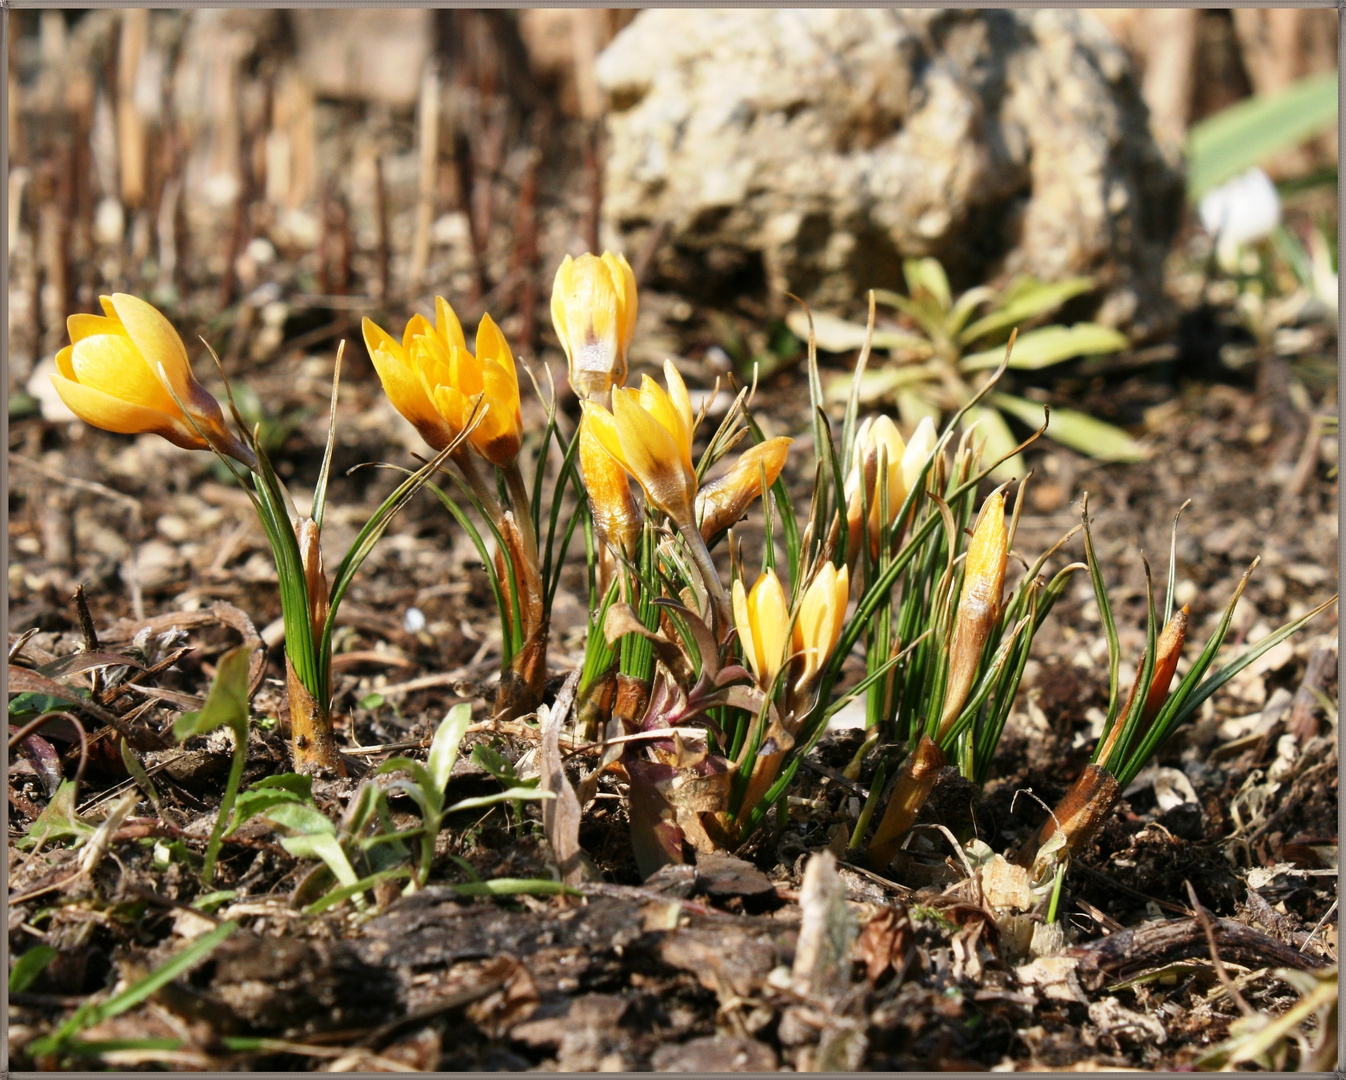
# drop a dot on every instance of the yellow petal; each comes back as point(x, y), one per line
point(616, 516)
point(624, 281)
point(922, 443)
point(770, 620)
point(500, 436)
point(603, 426)
point(378, 339)
point(112, 364)
point(447, 326)
point(677, 393)
point(64, 364)
point(82, 326)
point(417, 326)
point(656, 403)
point(744, 624)
point(158, 343)
point(651, 455)
point(405, 387)
point(102, 410)
point(491, 345)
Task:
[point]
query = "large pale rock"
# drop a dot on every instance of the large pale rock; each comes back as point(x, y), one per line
point(812, 150)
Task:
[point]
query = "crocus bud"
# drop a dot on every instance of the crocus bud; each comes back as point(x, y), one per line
point(593, 307)
point(617, 518)
point(878, 444)
point(762, 617)
point(1169, 652)
point(649, 433)
point(822, 613)
point(310, 556)
point(123, 371)
point(978, 604)
point(722, 502)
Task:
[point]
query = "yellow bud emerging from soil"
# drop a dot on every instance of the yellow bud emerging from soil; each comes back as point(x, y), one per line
point(649, 433)
point(822, 613)
point(762, 617)
point(978, 604)
point(723, 501)
point(432, 380)
point(593, 307)
point(123, 371)
point(616, 516)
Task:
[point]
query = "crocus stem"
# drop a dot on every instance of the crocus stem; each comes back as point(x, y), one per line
point(523, 509)
point(913, 787)
point(706, 565)
point(462, 457)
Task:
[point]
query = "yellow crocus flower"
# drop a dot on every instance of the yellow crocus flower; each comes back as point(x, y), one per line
point(649, 433)
point(122, 371)
point(436, 383)
point(722, 502)
point(762, 617)
point(822, 613)
point(593, 307)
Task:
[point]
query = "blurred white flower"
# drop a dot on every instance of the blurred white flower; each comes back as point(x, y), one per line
point(1246, 208)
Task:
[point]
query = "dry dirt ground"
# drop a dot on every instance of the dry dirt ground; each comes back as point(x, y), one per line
point(686, 971)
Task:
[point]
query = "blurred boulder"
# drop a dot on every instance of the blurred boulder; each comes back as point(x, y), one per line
point(811, 151)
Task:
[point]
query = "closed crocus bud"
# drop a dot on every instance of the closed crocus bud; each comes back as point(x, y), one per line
point(762, 617)
point(310, 555)
point(879, 445)
point(123, 371)
point(1168, 653)
point(722, 502)
point(593, 307)
point(822, 613)
point(649, 433)
point(978, 604)
point(616, 516)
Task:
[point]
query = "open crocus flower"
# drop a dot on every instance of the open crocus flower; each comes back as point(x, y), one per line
point(593, 307)
point(878, 438)
point(443, 389)
point(762, 616)
point(124, 368)
point(822, 612)
point(722, 502)
point(649, 433)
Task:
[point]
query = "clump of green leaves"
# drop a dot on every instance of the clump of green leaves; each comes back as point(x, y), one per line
point(941, 358)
